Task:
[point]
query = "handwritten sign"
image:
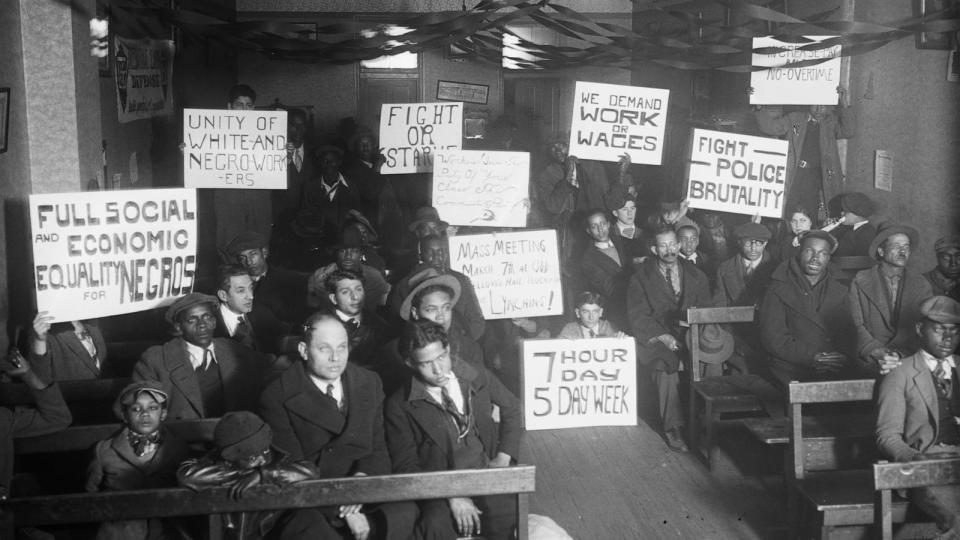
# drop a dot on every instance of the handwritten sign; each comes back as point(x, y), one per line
point(610, 119)
point(144, 78)
point(807, 85)
point(735, 173)
point(411, 134)
point(515, 274)
point(102, 253)
point(570, 383)
point(478, 188)
point(234, 149)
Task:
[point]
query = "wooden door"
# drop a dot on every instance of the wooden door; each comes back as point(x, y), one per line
point(374, 92)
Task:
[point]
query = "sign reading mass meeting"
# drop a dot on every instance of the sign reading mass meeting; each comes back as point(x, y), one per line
point(481, 188)
point(570, 383)
point(231, 149)
point(411, 134)
point(515, 274)
point(740, 174)
point(784, 84)
point(102, 253)
point(610, 120)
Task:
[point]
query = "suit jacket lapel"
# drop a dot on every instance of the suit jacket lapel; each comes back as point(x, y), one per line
point(875, 293)
point(227, 362)
point(924, 381)
point(176, 359)
point(79, 351)
point(313, 406)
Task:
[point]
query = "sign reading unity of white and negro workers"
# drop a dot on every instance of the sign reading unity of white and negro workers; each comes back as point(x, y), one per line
point(143, 77)
point(515, 274)
point(570, 383)
point(783, 84)
point(411, 134)
point(480, 188)
point(610, 120)
point(735, 173)
point(234, 149)
point(102, 253)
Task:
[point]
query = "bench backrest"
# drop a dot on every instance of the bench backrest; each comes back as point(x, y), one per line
point(889, 476)
point(76, 438)
point(696, 317)
point(103, 390)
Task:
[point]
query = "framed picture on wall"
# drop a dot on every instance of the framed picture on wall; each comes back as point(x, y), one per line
point(461, 91)
point(4, 118)
point(933, 10)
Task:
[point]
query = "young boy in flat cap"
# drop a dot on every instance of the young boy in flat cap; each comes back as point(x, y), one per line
point(142, 455)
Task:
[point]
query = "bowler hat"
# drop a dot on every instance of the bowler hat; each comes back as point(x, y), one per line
point(241, 434)
point(246, 240)
point(426, 214)
point(752, 230)
point(941, 309)
point(889, 229)
point(716, 343)
point(186, 302)
point(423, 279)
point(857, 203)
point(132, 391)
point(946, 242)
point(823, 235)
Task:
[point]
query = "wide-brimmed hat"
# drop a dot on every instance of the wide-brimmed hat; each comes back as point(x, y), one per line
point(857, 203)
point(426, 214)
point(752, 230)
point(246, 240)
point(716, 343)
point(823, 235)
point(132, 391)
point(423, 279)
point(889, 229)
point(241, 434)
point(186, 302)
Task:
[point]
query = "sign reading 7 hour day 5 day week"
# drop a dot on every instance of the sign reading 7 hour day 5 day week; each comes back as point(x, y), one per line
point(571, 383)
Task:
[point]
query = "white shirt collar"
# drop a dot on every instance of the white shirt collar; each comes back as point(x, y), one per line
point(604, 245)
point(340, 180)
point(453, 388)
point(932, 363)
point(195, 354)
point(692, 257)
point(322, 386)
point(344, 317)
point(230, 319)
point(860, 224)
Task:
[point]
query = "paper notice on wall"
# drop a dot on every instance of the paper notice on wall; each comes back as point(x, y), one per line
point(883, 170)
point(234, 149)
point(481, 188)
point(411, 134)
point(812, 82)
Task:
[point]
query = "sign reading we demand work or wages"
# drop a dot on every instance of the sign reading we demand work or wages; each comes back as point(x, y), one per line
point(609, 120)
point(781, 84)
point(411, 134)
point(515, 274)
point(103, 253)
point(234, 149)
point(570, 383)
point(735, 173)
point(480, 188)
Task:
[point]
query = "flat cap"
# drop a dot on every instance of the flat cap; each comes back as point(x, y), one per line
point(246, 240)
point(752, 230)
point(941, 309)
point(947, 242)
point(132, 391)
point(857, 203)
point(889, 229)
point(823, 235)
point(186, 302)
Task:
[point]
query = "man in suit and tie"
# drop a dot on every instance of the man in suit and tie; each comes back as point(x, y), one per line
point(236, 317)
point(660, 292)
point(885, 300)
point(279, 291)
point(207, 376)
point(918, 405)
point(606, 266)
point(623, 206)
point(330, 412)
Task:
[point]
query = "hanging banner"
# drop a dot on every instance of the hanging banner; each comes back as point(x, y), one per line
point(102, 253)
point(515, 274)
point(144, 78)
point(234, 149)
point(571, 383)
point(610, 120)
point(735, 173)
point(480, 188)
point(810, 85)
point(411, 134)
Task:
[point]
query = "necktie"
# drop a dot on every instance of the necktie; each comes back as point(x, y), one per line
point(593, 334)
point(748, 271)
point(353, 325)
point(242, 334)
point(673, 286)
point(331, 190)
point(297, 159)
point(628, 232)
point(207, 360)
point(331, 396)
point(451, 408)
point(940, 377)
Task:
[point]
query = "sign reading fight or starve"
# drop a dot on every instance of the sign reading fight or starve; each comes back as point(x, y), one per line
point(735, 173)
point(570, 383)
point(610, 120)
point(411, 134)
point(808, 85)
point(480, 188)
point(515, 274)
point(103, 253)
point(234, 149)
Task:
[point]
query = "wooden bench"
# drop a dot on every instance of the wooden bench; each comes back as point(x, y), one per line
point(731, 394)
point(76, 438)
point(890, 476)
point(105, 390)
point(161, 503)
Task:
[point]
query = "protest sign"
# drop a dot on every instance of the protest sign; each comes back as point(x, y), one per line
point(480, 188)
point(234, 149)
point(102, 253)
point(569, 383)
point(610, 119)
point(737, 173)
point(411, 134)
point(515, 274)
point(144, 78)
point(814, 84)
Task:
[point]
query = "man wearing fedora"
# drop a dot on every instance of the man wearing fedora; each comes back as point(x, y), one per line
point(280, 291)
point(885, 300)
point(918, 404)
point(207, 376)
point(945, 277)
point(348, 252)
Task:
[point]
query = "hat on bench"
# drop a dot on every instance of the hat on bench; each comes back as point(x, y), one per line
point(716, 343)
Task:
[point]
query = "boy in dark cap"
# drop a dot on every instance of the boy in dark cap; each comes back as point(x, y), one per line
point(945, 277)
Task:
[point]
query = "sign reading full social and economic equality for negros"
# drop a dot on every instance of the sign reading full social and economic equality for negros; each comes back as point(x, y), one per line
point(234, 149)
point(569, 383)
point(103, 253)
point(411, 133)
point(610, 120)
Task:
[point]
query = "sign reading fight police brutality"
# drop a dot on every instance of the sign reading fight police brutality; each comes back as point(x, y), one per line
point(515, 274)
point(808, 85)
point(411, 134)
point(570, 383)
point(102, 253)
point(480, 188)
point(234, 149)
point(609, 120)
point(735, 173)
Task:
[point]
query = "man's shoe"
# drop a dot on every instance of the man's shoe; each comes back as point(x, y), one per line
point(675, 441)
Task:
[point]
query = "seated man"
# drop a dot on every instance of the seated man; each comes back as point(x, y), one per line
point(349, 256)
point(885, 300)
point(606, 266)
point(624, 209)
point(805, 326)
point(68, 351)
point(328, 411)
point(206, 376)
point(918, 404)
point(945, 277)
point(280, 291)
point(854, 232)
point(237, 320)
point(441, 420)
